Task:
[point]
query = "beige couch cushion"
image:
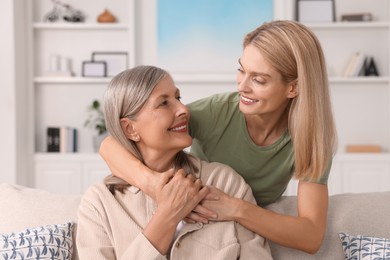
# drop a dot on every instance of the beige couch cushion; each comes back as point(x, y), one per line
point(23, 207)
point(355, 214)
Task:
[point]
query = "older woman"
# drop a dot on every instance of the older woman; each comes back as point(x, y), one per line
point(144, 114)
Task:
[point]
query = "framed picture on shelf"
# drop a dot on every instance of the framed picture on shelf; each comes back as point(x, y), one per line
point(315, 11)
point(115, 61)
point(193, 45)
point(94, 69)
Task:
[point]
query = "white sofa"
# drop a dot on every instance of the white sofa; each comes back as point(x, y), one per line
point(356, 214)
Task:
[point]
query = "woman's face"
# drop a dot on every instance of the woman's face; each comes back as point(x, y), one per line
point(162, 123)
point(261, 88)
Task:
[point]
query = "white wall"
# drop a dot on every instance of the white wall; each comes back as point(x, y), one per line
point(8, 95)
point(14, 146)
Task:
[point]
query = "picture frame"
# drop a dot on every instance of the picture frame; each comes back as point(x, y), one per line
point(116, 62)
point(193, 45)
point(94, 69)
point(315, 11)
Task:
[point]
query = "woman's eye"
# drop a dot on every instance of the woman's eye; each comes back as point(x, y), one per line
point(178, 98)
point(258, 81)
point(164, 103)
point(240, 70)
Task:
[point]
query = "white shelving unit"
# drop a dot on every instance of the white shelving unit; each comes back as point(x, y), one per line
point(361, 104)
point(57, 100)
point(63, 101)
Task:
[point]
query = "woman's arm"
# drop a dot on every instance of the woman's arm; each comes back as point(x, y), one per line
point(119, 160)
point(304, 232)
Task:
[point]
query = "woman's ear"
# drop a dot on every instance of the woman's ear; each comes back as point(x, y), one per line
point(293, 89)
point(129, 130)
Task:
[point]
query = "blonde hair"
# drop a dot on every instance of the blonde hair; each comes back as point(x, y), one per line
point(125, 96)
point(295, 52)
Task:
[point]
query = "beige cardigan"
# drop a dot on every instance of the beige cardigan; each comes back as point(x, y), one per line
point(110, 227)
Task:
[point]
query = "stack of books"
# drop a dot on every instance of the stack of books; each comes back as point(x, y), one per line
point(360, 64)
point(62, 139)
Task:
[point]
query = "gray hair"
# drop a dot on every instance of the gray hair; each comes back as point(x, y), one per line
point(125, 96)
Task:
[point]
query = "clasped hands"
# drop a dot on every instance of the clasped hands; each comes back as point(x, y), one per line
point(186, 196)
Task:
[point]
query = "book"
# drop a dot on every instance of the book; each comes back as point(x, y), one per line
point(350, 65)
point(370, 68)
point(71, 145)
point(363, 149)
point(53, 139)
point(355, 65)
point(62, 139)
point(362, 17)
point(358, 69)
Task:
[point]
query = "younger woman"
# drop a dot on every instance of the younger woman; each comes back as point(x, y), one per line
point(278, 125)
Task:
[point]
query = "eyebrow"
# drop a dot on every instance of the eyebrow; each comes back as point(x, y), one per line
point(255, 72)
point(177, 91)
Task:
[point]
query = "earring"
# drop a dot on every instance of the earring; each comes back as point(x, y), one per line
point(136, 139)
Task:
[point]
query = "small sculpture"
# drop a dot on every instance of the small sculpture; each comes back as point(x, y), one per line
point(64, 11)
point(73, 15)
point(106, 17)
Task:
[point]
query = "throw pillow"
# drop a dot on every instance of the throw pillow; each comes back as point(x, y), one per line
point(365, 247)
point(45, 242)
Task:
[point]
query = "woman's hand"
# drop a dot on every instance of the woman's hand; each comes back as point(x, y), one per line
point(221, 204)
point(180, 195)
point(154, 182)
point(202, 214)
point(175, 199)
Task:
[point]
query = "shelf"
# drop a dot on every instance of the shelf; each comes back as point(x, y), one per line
point(204, 77)
point(359, 157)
point(348, 25)
point(339, 157)
point(71, 80)
point(80, 26)
point(64, 157)
point(359, 80)
point(199, 78)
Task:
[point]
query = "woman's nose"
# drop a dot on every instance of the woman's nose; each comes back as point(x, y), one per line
point(242, 83)
point(182, 109)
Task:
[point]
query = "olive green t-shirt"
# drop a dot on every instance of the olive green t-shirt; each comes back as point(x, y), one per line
point(220, 135)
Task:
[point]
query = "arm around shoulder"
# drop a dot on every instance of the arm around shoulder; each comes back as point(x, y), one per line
point(126, 166)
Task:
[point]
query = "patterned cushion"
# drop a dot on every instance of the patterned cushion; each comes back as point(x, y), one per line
point(365, 247)
point(46, 242)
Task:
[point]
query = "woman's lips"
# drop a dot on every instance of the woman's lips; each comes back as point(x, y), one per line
point(247, 100)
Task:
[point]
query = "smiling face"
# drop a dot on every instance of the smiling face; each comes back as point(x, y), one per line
point(160, 129)
point(261, 88)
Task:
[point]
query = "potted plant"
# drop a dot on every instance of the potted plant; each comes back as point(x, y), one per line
point(96, 122)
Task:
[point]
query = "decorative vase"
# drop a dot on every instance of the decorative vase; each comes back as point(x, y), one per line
point(106, 17)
